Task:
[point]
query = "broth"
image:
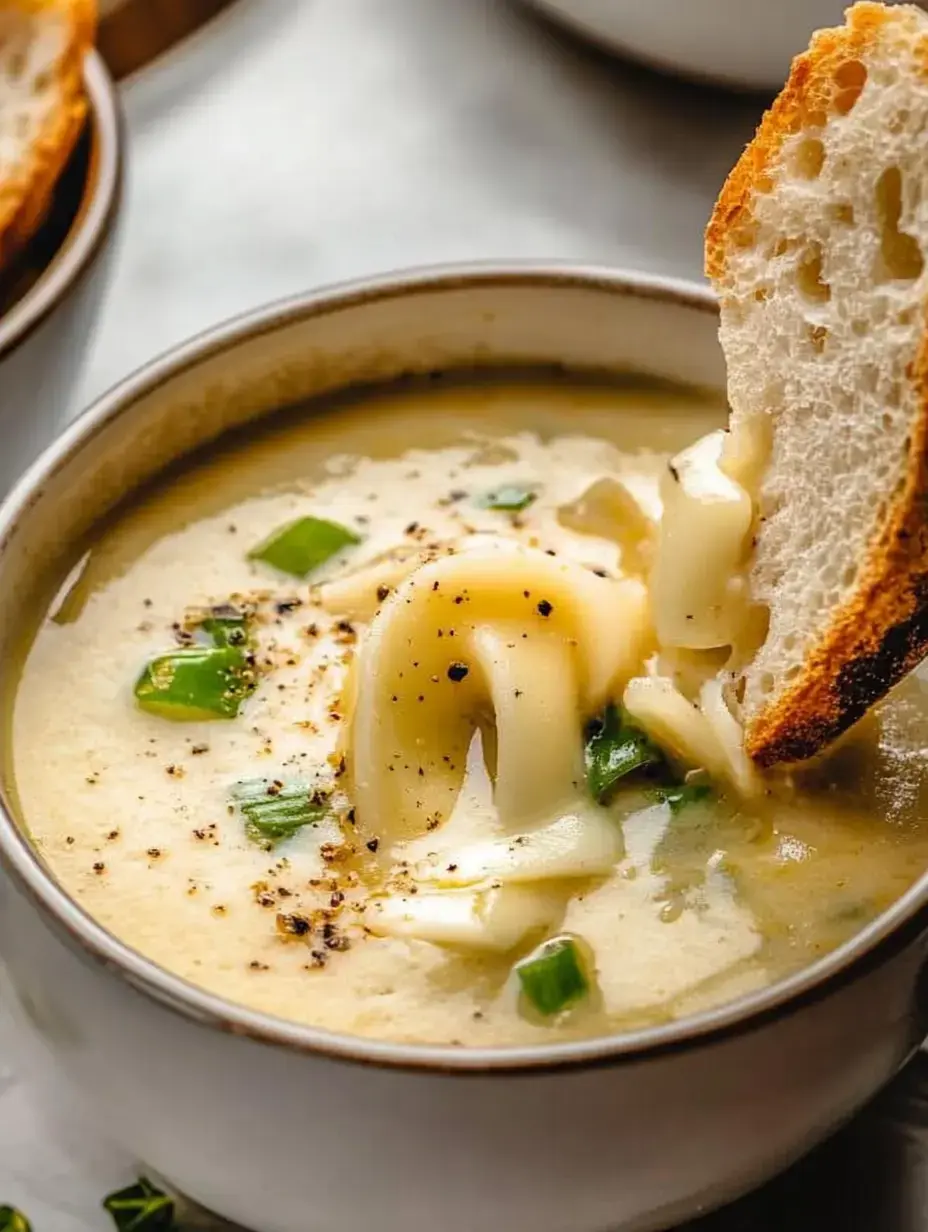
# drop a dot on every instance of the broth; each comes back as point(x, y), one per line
point(142, 819)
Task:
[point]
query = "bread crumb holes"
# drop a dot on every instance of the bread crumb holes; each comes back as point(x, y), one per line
point(812, 285)
point(900, 257)
point(809, 158)
point(850, 78)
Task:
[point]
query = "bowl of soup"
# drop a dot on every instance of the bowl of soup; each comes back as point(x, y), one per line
point(372, 854)
point(50, 293)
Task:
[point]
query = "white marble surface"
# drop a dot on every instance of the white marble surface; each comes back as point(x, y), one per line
point(296, 142)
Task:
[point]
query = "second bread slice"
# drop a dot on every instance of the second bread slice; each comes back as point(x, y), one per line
point(42, 107)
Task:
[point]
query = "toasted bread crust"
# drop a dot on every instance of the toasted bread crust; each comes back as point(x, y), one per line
point(813, 90)
point(881, 633)
point(24, 199)
point(877, 637)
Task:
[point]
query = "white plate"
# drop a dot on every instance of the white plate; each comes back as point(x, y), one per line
point(743, 43)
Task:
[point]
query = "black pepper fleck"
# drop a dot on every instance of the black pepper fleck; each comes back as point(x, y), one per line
point(292, 925)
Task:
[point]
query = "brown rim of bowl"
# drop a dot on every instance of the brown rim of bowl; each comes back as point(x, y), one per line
point(92, 221)
point(890, 932)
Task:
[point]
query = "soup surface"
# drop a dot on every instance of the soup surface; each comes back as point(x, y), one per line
point(419, 769)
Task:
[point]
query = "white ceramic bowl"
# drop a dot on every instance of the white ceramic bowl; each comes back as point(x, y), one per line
point(743, 43)
point(286, 1128)
point(43, 335)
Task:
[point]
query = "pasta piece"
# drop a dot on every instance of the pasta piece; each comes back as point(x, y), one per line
point(696, 588)
point(359, 594)
point(728, 733)
point(701, 734)
point(496, 919)
point(677, 725)
point(533, 641)
point(586, 843)
point(611, 509)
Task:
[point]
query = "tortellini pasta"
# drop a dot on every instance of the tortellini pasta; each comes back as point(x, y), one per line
point(504, 638)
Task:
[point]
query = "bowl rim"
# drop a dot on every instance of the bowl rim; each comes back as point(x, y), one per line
point(884, 937)
point(94, 217)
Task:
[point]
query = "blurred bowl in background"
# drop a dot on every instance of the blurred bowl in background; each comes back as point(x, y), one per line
point(747, 44)
point(48, 300)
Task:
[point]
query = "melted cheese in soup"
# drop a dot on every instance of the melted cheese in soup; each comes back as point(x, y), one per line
point(405, 798)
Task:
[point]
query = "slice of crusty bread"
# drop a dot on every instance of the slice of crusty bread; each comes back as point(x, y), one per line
point(817, 248)
point(42, 106)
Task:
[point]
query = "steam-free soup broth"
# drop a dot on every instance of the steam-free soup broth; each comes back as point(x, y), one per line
point(368, 721)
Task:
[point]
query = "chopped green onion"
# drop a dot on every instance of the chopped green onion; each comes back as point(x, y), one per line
point(553, 976)
point(512, 498)
point(275, 811)
point(615, 749)
point(12, 1220)
point(196, 683)
point(680, 797)
point(141, 1208)
point(225, 625)
point(304, 545)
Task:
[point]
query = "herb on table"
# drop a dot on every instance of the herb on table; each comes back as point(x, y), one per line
point(141, 1208)
point(553, 977)
point(12, 1220)
point(302, 546)
point(614, 749)
point(275, 811)
point(511, 498)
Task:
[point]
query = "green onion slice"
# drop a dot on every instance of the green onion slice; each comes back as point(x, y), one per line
point(196, 683)
point(275, 811)
point(12, 1220)
point(302, 546)
point(681, 797)
point(511, 498)
point(225, 625)
point(141, 1208)
point(616, 748)
point(553, 977)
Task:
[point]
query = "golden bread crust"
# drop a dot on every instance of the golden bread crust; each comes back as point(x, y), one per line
point(877, 637)
point(813, 90)
point(25, 198)
point(881, 633)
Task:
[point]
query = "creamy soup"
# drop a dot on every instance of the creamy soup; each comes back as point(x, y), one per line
point(382, 719)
